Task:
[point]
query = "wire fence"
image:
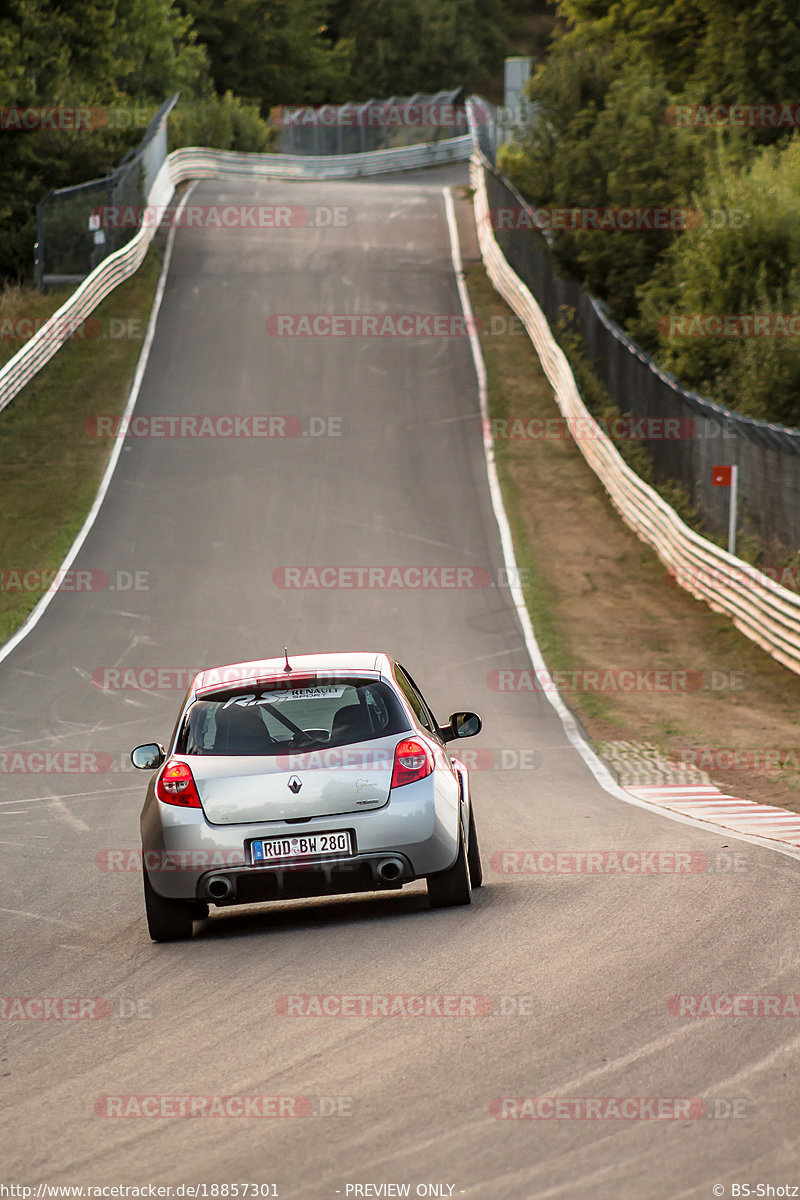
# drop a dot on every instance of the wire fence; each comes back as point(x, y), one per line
point(194, 163)
point(705, 434)
point(355, 128)
point(71, 239)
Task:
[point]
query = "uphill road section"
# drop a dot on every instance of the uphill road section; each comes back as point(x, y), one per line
point(614, 1014)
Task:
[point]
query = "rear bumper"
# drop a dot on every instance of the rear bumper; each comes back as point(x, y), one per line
point(256, 884)
point(184, 853)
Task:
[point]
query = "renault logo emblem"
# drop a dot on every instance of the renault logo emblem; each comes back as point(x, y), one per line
point(295, 784)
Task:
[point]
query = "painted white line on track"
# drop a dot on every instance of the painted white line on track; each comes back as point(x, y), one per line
point(23, 912)
point(571, 727)
point(40, 609)
point(58, 806)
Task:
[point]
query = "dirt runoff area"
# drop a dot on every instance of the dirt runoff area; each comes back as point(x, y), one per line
point(636, 658)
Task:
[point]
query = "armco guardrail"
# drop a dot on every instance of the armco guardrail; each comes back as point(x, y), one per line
point(763, 610)
point(199, 163)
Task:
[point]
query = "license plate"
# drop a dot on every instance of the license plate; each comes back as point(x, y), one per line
point(305, 846)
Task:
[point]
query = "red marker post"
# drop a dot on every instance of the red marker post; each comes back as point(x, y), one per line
point(728, 477)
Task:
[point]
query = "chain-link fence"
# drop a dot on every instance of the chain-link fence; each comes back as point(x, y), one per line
point(70, 245)
point(72, 235)
point(701, 434)
point(371, 125)
point(492, 126)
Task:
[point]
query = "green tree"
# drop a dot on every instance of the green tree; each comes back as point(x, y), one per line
point(158, 52)
point(116, 54)
point(721, 51)
point(601, 135)
point(401, 47)
point(743, 259)
point(50, 55)
point(273, 51)
point(600, 141)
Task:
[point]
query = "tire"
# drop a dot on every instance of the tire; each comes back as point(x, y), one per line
point(167, 920)
point(474, 854)
point(449, 888)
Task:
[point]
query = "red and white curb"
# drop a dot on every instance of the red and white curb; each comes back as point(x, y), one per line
point(644, 773)
point(707, 803)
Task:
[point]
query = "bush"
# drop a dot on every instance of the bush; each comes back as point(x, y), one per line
point(221, 123)
point(600, 141)
point(742, 260)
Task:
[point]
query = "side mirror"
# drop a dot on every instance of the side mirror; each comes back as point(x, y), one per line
point(148, 757)
point(462, 724)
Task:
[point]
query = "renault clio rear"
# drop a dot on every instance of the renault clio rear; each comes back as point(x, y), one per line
point(320, 775)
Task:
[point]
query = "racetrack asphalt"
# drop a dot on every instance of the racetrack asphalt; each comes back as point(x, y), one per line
point(580, 966)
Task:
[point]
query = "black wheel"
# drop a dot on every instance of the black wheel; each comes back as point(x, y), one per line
point(448, 888)
point(474, 854)
point(198, 909)
point(167, 920)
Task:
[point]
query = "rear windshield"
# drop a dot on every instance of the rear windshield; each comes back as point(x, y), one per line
point(267, 721)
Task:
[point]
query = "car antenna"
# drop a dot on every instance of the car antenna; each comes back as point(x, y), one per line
point(287, 668)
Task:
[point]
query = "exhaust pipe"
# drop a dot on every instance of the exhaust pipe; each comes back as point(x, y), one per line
point(219, 887)
point(390, 869)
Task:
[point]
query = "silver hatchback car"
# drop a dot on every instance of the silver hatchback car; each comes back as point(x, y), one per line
point(318, 776)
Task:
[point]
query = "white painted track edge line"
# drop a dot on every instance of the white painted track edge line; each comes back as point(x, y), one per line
point(133, 395)
point(574, 735)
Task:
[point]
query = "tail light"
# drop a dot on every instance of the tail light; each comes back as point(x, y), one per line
point(176, 785)
point(412, 761)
